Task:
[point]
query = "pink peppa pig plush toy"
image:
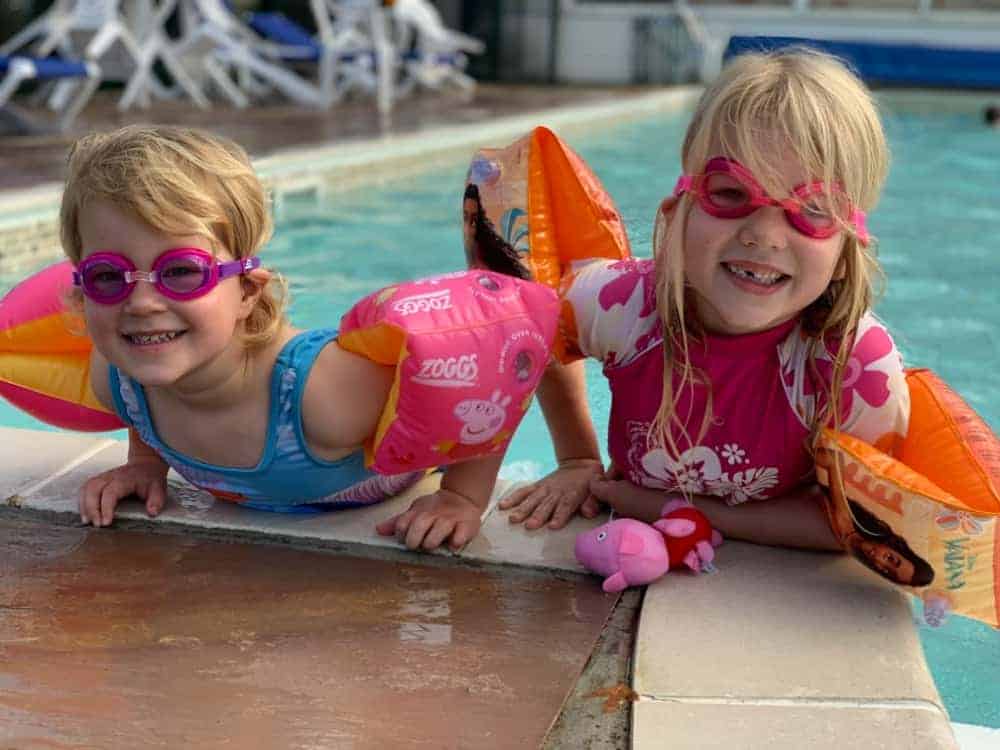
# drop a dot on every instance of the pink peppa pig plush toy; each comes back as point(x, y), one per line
point(633, 553)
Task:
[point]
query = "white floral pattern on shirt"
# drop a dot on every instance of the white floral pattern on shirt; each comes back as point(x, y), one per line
point(699, 471)
point(733, 453)
point(750, 484)
point(875, 398)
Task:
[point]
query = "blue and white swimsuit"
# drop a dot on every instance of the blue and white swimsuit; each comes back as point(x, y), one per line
point(288, 477)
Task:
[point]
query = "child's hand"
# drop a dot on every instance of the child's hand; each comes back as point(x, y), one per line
point(627, 499)
point(434, 519)
point(555, 498)
point(146, 478)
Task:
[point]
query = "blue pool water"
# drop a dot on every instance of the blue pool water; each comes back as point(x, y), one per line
point(939, 224)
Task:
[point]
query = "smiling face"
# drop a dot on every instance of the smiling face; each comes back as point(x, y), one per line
point(156, 340)
point(752, 273)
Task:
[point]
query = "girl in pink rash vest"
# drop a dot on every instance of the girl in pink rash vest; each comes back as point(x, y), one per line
point(748, 331)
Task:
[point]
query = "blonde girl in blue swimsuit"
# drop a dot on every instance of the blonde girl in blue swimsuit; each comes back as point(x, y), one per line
point(193, 351)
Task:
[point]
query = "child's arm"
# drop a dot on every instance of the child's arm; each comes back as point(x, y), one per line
point(554, 499)
point(611, 311)
point(144, 473)
point(797, 519)
point(451, 515)
point(342, 401)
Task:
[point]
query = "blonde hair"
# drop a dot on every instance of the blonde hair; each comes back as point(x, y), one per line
point(810, 104)
point(179, 181)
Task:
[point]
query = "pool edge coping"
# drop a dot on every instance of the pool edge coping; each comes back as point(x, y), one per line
point(49, 483)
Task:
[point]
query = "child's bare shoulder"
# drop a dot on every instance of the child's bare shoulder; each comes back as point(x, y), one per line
point(343, 398)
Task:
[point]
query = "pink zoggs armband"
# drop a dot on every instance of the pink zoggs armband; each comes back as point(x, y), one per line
point(469, 350)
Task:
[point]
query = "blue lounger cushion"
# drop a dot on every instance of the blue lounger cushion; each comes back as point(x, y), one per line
point(48, 67)
point(280, 29)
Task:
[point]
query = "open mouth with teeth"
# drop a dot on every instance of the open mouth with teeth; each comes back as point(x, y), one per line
point(762, 278)
point(148, 339)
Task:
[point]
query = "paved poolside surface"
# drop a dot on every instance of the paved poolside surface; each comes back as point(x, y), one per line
point(26, 161)
point(120, 639)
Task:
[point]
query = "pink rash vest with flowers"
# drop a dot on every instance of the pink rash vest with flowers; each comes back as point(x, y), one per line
point(763, 398)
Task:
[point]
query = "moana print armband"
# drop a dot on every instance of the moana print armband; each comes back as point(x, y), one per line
point(927, 515)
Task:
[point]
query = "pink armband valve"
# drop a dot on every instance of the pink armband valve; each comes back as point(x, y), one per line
point(469, 350)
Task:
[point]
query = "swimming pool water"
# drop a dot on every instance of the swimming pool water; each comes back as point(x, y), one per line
point(938, 225)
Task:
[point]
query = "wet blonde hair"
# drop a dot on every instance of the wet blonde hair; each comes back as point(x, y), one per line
point(179, 181)
point(812, 106)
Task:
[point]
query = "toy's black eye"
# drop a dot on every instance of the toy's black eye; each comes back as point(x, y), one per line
point(602, 536)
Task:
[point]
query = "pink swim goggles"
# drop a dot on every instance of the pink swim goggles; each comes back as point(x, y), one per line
point(183, 273)
point(727, 190)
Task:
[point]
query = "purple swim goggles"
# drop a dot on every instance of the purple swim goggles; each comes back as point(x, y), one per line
point(183, 273)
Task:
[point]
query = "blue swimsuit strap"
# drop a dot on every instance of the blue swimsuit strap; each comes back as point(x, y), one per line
point(297, 357)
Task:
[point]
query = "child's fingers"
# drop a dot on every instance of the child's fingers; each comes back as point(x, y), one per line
point(464, 532)
point(112, 492)
point(516, 497)
point(528, 505)
point(441, 529)
point(417, 530)
point(388, 527)
point(566, 509)
point(563, 511)
point(590, 508)
point(156, 498)
point(542, 513)
point(600, 488)
point(90, 500)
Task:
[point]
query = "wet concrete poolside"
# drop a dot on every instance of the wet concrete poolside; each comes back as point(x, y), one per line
point(122, 639)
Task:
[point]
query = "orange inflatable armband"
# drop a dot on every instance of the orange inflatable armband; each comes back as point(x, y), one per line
point(538, 202)
point(45, 357)
point(928, 516)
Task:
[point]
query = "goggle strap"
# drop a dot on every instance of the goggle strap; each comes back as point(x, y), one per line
point(860, 226)
point(238, 267)
point(684, 183)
